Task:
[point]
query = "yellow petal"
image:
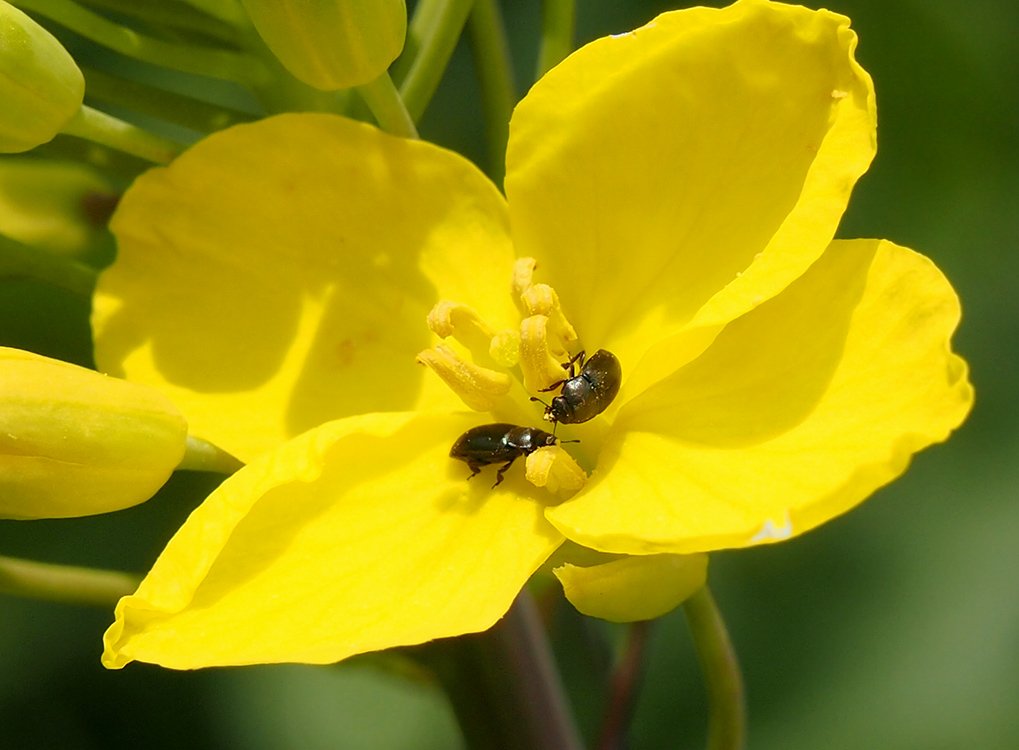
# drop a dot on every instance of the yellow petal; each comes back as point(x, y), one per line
point(357, 536)
point(74, 442)
point(679, 175)
point(636, 587)
point(279, 275)
point(796, 413)
point(332, 44)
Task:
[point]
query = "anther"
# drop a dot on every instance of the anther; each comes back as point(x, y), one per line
point(555, 470)
point(505, 348)
point(523, 277)
point(540, 364)
point(461, 322)
point(478, 387)
point(541, 299)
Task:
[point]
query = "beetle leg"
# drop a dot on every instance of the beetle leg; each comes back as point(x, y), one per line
point(498, 474)
point(551, 387)
point(474, 467)
point(571, 369)
point(575, 362)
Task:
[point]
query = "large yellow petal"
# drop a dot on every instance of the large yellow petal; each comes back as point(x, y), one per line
point(278, 275)
point(359, 535)
point(679, 175)
point(796, 413)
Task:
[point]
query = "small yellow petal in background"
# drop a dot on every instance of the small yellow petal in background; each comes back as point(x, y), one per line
point(797, 412)
point(359, 535)
point(685, 172)
point(74, 442)
point(636, 587)
point(279, 274)
point(332, 44)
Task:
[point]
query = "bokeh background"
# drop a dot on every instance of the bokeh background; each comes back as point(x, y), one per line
point(894, 627)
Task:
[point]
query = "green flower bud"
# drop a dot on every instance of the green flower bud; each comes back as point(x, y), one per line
point(332, 44)
point(74, 442)
point(40, 86)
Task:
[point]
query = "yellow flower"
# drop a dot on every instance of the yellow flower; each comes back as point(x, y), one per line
point(679, 188)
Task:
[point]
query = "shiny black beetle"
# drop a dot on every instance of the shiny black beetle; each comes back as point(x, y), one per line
point(497, 443)
point(588, 394)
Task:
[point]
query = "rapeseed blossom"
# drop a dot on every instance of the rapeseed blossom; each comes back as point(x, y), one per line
point(672, 195)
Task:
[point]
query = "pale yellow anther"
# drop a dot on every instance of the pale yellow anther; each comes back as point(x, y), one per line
point(505, 348)
point(478, 387)
point(523, 277)
point(541, 299)
point(539, 362)
point(463, 324)
point(554, 469)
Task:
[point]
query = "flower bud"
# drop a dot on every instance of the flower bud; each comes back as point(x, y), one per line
point(40, 86)
point(74, 442)
point(332, 44)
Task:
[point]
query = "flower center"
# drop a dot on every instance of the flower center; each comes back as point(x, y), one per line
point(482, 365)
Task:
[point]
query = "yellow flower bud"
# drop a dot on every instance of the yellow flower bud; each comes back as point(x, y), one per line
point(40, 86)
point(332, 44)
point(74, 442)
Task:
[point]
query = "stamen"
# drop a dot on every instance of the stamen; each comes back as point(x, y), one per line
point(523, 277)
point(541, 365)
point(463, 324)
point(541, 299)
point(478, 387)
point(555, 470)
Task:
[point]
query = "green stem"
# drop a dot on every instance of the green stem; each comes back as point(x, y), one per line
point(386, 105)
point(726, 704)
point(201, 455)
point(431, 39)
point(495, 76)
point(100, 127)
point(21, 261)
point(557, 21)
point(215, 63)
point(64, 583)
point(504, 686)
point(139, 97)
point(122, 168)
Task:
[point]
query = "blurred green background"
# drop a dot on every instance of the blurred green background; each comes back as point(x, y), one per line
point(894, 627)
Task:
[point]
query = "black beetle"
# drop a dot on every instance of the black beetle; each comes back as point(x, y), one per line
point(497, 443)
point(588, 394)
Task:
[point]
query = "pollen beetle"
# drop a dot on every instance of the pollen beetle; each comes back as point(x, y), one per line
point(588, 394)
point(497, 443)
